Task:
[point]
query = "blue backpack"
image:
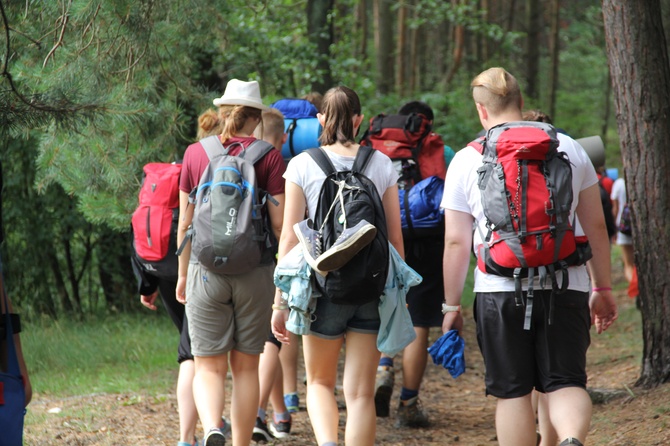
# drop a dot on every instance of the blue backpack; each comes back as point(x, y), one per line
point(420, 211)
point(301, 125)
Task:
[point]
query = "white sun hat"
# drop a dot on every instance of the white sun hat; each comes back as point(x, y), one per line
point(242, 93)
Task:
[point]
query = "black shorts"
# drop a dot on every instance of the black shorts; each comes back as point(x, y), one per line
point(546, 357)
point(424, 301)
point(177, 312)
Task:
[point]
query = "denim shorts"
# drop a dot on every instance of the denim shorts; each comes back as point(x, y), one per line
point(332, 321)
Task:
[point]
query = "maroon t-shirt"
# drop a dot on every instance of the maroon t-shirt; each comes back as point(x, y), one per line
point(269, 169)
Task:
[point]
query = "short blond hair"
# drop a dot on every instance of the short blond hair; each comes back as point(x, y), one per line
point(272, 129)
point(497, 90)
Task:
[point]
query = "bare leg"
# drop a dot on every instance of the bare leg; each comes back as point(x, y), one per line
point(209, 386)
point(288, 355)
point(547, 431)
point(321, 356)
point(570, 412)
point(628, 261)
point(188, 414)
point(245, 396)
point(414, 360)
point(360, 368)
point(515, 422)
point(267, 367)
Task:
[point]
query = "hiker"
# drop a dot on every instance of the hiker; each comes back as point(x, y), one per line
point(625, 241)
point(552, 356)
point(228, 314)
point(150, 285)
point(423, 253)
point(332, 322)
point(270, 369)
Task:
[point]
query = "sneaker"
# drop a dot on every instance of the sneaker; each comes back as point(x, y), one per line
point(571, 440)
point(383, 390)
point(225, 427)
point(347, 245)
point(214, 438)
point(261, 433)
point(410, 414)
point(280, 429)
point(310, 239)
point(292, 402)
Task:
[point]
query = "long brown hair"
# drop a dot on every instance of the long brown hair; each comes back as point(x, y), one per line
point(340, 105)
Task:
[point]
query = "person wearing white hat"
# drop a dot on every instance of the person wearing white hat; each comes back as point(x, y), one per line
point(229, 314)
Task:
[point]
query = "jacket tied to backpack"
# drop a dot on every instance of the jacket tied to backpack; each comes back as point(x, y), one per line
point(526, 193)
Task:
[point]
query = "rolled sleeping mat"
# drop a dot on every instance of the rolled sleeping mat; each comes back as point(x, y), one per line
point(303, 134)
point(595, 149)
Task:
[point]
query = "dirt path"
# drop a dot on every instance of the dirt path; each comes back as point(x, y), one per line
point(460, 413)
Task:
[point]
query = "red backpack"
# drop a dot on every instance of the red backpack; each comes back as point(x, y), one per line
point(155, 220)
point(526, 193)
point(410, 140)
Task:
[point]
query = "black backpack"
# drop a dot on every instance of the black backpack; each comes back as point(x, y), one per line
point(363, 278)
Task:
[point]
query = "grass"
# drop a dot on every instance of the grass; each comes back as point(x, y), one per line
point(121, 353)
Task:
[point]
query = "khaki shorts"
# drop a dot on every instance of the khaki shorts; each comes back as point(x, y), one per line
point(227, 312)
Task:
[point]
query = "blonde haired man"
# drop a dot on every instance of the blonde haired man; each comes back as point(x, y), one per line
point(551, 357)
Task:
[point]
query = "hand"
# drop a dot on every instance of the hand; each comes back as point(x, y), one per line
point(180, 291)
point(279, 318)
point(149, 301)
point(603, 310)
point(453, 320)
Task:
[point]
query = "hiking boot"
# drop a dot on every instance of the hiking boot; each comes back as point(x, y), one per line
point(261, 433)
point(292, 402)
point(347, 245)
point(280, 429)
point(214, 438)
point(383, 390)
point(310, 239)
point(571, 440)
point(410, 414)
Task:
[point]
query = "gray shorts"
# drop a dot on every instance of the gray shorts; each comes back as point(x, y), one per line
point(227, 312)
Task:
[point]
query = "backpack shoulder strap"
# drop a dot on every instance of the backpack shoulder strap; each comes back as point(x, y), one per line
point(363, 157)
point(213, 146)
point(256, 150)
point(321, 158)
point(478, 144)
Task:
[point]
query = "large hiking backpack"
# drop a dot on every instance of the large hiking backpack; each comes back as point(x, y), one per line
point(418, 156)
point(155, 219)
point(300, 124)
point(409, 141)
point(229, 233)
point(526, 192)
point(363, 278)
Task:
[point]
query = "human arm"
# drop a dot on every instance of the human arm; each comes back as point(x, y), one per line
point(149, 300)
point(294, 212)
point(185, 220)
point(276, 214)
point(591, 218)
point(455, 264)
point(28, 388)
point(393, 224)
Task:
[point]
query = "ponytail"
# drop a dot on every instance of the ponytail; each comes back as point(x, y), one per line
point(340, 106)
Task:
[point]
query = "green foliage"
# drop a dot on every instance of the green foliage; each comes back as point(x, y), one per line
point(120, 354)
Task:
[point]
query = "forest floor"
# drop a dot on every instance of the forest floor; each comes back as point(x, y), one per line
point(458, 409)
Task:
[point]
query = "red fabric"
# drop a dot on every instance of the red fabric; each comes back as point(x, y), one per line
point(607, 183)
point(269, 170)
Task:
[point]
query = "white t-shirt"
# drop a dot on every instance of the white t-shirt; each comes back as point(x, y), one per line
point(619, 194)
point(461, 193)
point(303, 171)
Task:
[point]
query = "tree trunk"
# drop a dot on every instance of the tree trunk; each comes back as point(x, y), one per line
point(640, 77)
point(554, 51)
point(361, 51)
point(533, 27)
point(320, 31)
point(401, 50)
point(383, 45)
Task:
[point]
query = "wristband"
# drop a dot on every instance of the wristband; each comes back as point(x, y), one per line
point(279, 307)
point(450, 308)
point(601, 288)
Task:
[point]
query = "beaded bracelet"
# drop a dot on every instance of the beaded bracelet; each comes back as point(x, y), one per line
point(602, 288)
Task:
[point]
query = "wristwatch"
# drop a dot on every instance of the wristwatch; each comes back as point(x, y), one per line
point(450, 308)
